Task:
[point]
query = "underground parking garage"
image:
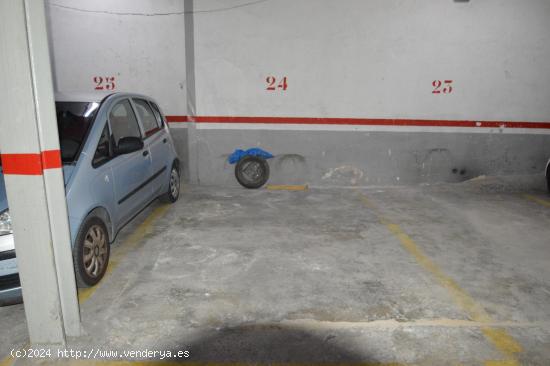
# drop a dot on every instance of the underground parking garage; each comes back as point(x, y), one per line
point(275, 182)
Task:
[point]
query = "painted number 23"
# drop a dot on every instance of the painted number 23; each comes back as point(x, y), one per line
point(104, 83)
point(442, 87)
point(274, 84)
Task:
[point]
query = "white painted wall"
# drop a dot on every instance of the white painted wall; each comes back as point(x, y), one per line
point(122, 38)
point(342, 58)
point(357, 58)
point(375, 58)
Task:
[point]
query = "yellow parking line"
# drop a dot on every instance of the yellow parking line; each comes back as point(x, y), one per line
point(500, 339)
point(501, 363)
point(6, 361)
point(540, 201)
point(287, 187)
point(10, 360)
point(130, 243)
point(476, 312)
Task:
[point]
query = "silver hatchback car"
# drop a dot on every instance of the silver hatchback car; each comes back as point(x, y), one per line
point(117, 156)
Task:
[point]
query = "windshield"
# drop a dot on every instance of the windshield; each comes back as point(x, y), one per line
point(73, 121)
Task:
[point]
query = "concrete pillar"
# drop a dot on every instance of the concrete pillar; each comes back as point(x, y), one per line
point(191, 103)
point(31, 159)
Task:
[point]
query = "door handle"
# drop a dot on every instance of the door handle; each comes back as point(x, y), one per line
point(146, 152)
point(164, 140)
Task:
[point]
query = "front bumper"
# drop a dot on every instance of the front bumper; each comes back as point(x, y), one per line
point(10, 286)
point(12, 294)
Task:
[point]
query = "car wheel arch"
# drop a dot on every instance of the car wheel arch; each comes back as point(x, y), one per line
point(176, 162)
point(103, 215)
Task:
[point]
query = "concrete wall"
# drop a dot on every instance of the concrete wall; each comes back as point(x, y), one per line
point(371, 61)
point(141, 43)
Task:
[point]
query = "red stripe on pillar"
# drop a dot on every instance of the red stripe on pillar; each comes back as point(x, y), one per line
point(51, 159)
point(31, 164)
point(22, 164)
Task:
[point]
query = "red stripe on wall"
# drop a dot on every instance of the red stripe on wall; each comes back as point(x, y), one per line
point(362, 122)
point(173, 119)
point(31, 164)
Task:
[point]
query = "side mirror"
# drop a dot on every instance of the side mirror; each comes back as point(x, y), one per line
point(128, 145)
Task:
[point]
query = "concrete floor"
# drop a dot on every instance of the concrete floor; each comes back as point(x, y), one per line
point(431, 275)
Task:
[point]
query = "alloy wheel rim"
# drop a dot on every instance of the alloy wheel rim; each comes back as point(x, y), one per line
point(95, 251)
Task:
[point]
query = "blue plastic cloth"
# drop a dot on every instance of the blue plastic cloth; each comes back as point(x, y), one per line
point(239, 154)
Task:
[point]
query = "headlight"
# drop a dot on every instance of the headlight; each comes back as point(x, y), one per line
point(5, 223)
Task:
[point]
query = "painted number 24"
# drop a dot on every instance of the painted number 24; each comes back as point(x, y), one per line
point(442, 87)
point(274, 84)
point(104, 83)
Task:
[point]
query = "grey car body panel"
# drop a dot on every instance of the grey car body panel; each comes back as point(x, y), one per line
point(101, 189)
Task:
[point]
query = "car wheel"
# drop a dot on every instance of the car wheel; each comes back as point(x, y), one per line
point(252, 171)
point(91, 252)
point(548, 179)
point(173, 186)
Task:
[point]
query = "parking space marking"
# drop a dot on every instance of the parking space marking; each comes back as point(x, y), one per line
point(8, 361)
point(122, 250)
point(500, 339)
point(287, 187)
point(540, 201)
point(501, 363)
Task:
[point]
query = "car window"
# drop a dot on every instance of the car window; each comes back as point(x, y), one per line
point(158, 115)
point(103, 151)
point(74, 120)
point(146, 116)
point(123, 121)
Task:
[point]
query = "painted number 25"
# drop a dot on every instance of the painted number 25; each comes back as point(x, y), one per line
point(272, 83)
point(442, 87)
point(104, 83)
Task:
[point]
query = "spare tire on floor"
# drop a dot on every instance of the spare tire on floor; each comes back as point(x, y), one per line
point(252, 171)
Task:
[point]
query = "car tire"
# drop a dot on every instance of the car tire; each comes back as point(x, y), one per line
point(252, 171)
point(173, 192)
point(548, 178)
point(91, 252)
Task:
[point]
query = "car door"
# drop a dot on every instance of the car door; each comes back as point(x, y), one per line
point(156, 140)
point(131, 172)
point(100, 180)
